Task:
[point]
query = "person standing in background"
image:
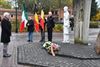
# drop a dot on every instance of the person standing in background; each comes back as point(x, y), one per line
point(0, 18)
point(71, 22)
point(0, 27)
point(50, 25)
point(6, 33)
point(41, 30)
point(30, 25)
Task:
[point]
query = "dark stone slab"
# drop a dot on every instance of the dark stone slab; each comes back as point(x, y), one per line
point(69, 56)
point(83, 52)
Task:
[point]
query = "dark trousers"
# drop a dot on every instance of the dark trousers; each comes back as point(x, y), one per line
point(30, 36)
point(5, 48)
point(49, 34)
point(42, 35)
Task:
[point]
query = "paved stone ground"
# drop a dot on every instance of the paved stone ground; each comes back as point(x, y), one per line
point(33, 54)
point(12, 49)
point(70, 55)
point(21, 39)
point(83, 52)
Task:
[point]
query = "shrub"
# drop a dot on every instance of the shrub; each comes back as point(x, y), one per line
point(14, 25)
point(94, 25)
point(58, 27)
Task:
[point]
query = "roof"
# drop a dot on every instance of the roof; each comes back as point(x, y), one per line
point(12, 11)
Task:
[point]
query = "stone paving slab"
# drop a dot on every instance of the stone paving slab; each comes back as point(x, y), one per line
point(70, 55)
point(78, 51)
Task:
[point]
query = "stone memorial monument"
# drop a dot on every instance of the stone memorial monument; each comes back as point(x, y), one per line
point(66, 26)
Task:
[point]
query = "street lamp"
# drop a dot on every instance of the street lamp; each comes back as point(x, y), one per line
point(16, 6)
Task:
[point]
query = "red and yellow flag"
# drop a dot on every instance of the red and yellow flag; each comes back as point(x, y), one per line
point(36, 22)
point(42, 19)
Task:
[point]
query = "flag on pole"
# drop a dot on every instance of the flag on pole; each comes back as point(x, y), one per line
point(42, 19)
point(35, 7)
point(36, 22)
point(36, 19)
point(24, 19)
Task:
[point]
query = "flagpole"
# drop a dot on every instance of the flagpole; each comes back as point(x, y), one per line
point(16, 5)
point(24, 18)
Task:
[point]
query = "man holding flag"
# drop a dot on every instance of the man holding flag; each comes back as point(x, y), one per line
point(39, 22)
point(42, 26)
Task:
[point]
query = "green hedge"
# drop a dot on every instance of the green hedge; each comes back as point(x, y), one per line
point(94, 25)
point(58, 27)
point(13, 23)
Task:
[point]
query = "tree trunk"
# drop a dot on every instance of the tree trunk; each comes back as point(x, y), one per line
point(82, 18)
point(87, 10)
point(78, 20)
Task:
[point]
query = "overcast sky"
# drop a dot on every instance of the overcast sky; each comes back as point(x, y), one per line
point(98, 1)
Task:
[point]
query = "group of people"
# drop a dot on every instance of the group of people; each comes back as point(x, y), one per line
point(49, 21)
point(51, 48)
point(6, 32)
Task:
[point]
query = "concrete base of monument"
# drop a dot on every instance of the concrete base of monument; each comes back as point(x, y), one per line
point(66, 41)
point(70, 55)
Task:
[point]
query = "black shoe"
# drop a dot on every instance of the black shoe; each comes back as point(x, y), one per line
point(42, 41)
point(31, 41)
point(28, 40)
point(7, 55)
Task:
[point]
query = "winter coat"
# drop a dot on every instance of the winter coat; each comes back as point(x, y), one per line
point(6, 30)
point(50, 22)
point(30, 25)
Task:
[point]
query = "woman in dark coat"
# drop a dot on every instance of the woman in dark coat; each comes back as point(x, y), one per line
point(6, 33)
point(0, 18)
